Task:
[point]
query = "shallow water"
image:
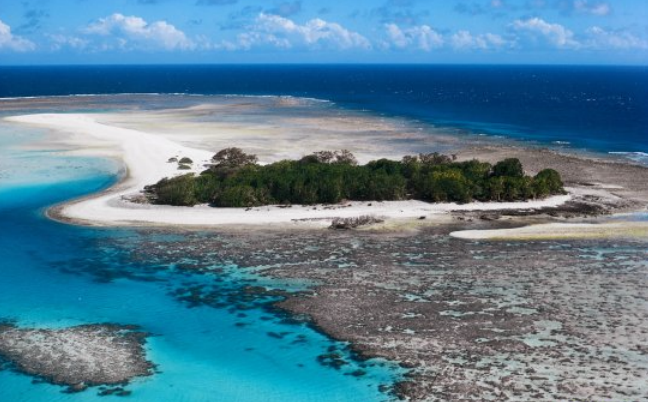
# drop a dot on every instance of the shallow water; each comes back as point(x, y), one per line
point(56, 275)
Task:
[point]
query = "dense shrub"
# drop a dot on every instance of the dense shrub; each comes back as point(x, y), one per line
point(547, 182)
point(237, 196)
point(511, 167)
point(178, 191)
point(235, 180)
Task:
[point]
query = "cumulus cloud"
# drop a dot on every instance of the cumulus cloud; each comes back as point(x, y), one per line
point(465, 40)
point(281, 32)
point(59, 41)
point(131, 32)
point(599, 38)
point(538, 31)
point(425, 38)
point(422, 37)
point(590, 7)
point(12, 42)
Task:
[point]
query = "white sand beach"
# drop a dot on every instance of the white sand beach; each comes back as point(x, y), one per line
point(558, 231)
point(145, 156)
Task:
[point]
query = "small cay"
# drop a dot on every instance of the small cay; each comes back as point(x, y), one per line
point(78, 357)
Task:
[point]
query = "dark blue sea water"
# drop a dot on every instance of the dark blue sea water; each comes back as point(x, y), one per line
point(597, 108)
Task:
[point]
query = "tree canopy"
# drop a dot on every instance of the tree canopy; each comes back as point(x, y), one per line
point(511, 167)
point(232, 158)
point(236, 180)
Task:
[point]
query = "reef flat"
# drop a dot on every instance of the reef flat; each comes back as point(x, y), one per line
point(512, 321)
point(78, 357)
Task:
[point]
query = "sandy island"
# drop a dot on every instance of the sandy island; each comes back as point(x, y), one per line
point(145, 158)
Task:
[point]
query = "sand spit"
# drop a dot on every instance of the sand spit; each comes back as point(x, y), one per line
point(146, 158)
point(77, 357)
point(558, 231)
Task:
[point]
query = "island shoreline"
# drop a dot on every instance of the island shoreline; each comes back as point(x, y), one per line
point(111, 207)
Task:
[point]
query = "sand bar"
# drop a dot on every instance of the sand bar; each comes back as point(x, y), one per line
point(145, 158)
point(558, 231)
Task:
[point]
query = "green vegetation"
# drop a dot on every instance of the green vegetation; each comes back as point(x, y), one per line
point(179, 191)
point(234, 179)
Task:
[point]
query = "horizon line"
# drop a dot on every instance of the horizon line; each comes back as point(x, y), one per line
point(270, 64)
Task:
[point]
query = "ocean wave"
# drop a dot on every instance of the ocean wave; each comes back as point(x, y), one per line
point(88, 95)
point(302, 98)
point(640, 157)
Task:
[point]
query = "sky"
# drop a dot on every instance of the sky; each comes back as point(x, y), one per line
point(36, 32)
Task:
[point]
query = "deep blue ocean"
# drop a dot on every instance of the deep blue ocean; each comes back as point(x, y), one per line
point(55, 275)
point(601, 109)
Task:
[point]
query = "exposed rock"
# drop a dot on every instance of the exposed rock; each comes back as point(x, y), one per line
point(355, 222)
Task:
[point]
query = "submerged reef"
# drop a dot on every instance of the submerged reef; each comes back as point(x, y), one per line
point(505, 320)
point(513, 321)
point(78, 357)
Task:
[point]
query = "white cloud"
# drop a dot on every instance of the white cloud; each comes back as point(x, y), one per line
point(425, 38)
point(465, 40)
point(59, 41)
point(130, 32)
point(587, 7)
point(599, 38)
point(13, 42)
point(422, 37)
point(281, 32)
point(538, 29)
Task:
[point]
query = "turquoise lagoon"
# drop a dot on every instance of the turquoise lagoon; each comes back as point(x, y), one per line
point(50, 278)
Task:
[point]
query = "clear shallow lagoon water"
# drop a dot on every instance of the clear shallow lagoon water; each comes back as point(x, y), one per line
point(56, 275)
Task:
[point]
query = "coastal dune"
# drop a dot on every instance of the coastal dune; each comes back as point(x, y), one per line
point(145, 157)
